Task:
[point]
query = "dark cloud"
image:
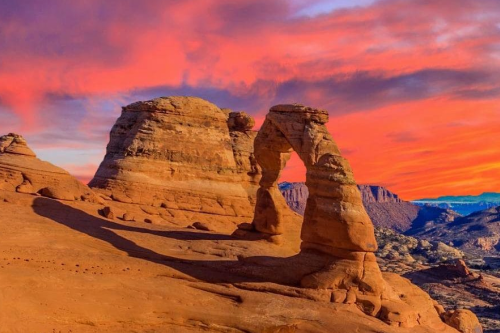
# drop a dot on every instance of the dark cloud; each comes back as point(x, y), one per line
point(80, 30)
point(478, 93)
point(366, 91)
point(400, 137)
point(250, 15)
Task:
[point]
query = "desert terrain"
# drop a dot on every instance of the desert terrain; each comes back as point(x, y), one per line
point(184, 229)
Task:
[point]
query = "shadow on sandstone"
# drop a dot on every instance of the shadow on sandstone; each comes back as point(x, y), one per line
point(245, 269)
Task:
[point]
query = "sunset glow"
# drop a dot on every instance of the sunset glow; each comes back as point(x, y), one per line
point(411, 86)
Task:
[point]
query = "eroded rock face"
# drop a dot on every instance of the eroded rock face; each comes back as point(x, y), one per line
point(335, 221)
point(181, 153)
point(378, 194)
point(21, 171)
point(15, 144)
point(463, 320)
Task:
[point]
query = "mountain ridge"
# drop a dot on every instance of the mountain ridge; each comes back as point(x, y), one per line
point(463, 204)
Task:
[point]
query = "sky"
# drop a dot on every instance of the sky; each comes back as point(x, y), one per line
point(411, 86)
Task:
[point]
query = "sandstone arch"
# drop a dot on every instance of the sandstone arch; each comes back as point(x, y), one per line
point(335, 221)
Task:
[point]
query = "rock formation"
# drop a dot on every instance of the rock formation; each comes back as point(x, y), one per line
point(379, 194)
point(184, 154)
point(463, 320)
point(386, 209)
point(335, 221)
point(21, 171)
point(295, 195)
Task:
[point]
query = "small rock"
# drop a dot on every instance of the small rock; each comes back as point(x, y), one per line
point(121, 198)
point(245, 226)
point(128, 217)
point(201, 226)
point(350, 297)
point(240, 121)
point(108, 212)
point(339, 296)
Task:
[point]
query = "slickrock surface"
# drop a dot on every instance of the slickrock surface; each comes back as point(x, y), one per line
point(183, 154)
point(65, 268)
point(21, 171)
point(153, 258)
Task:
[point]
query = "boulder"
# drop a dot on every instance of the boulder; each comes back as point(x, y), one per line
point(59, 193)
point(128, 217)
point(108, 212)
point(201, 226)
point(464, 321)
point(240, 121)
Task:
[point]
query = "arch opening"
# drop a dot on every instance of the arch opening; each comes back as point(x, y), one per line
point(335, 221)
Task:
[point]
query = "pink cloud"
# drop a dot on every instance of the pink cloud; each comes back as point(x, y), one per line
point(393, 75)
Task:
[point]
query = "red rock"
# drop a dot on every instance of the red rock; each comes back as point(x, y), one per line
point(463, 320)
point(22, 172)
point(128, 217)
point(182, 153)
point(108, 212)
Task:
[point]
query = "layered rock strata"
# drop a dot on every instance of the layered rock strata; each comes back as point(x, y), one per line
point(21, 171)
point(335, 221)
point(183, 154)
point(336, 229)
point(377, 194)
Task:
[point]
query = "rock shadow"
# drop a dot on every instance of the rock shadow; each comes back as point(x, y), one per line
point(245, 269)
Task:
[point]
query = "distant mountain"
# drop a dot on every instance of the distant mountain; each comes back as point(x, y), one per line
point(464, 205)
point(295, 195)
point(379, 194)
point(385, 208)
point(477, 233)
